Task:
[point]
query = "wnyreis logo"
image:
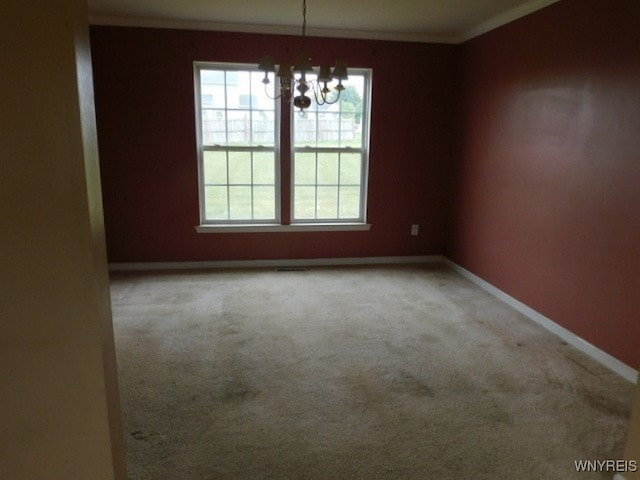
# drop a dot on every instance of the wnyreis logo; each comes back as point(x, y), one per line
point(617, 466)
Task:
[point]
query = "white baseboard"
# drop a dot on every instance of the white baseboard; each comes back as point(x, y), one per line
point(594, 352)
point(303, 262)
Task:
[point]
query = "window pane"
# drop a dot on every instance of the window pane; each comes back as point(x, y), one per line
point(262, 124)
point(260, 99)
point(304, 202)
point(238, 131)
point(238, 90)
point(350, 168)
point(241, 97)
point(212, 88)
point(240, 203)
point(305, 168)
point(214, 127)
point(349, 202)
point(333, 125)
point(305, 129)
point(328, 168)
point(240, 168)
point(215, 168)
point(238, 112)
point(212, 77)
point(352, 110)
point(264, 168)
point(264, 203)
point(349, 134)
point(216, 207)
point(328, 128)
point(327, 202)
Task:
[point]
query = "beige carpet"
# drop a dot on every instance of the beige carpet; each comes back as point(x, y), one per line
point(393, 372)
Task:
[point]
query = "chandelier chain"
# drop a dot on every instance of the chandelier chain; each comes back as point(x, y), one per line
point(304, 22)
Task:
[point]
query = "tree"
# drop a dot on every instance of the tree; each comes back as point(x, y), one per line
point(351, 99)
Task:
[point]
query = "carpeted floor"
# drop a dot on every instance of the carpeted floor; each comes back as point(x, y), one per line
point(391, 372)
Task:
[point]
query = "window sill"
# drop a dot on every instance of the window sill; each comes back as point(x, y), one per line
point(298, 227)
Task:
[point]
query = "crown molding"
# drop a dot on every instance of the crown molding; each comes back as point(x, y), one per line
point(269, 29)
point(491, 24)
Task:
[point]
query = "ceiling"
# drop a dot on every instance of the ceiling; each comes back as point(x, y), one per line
point(443, 21)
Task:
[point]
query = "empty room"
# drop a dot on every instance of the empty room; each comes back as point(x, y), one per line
point(320, 240)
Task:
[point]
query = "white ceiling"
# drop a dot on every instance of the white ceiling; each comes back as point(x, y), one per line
point(445, 21)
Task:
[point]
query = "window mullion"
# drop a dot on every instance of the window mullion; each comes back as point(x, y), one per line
point(315, 200)
point(340, 123)
point(252, 186)
point(251, 142)
point(339, 160)
point(339, 155)
point(228, 188)
point(250, 112)
point(226, 112)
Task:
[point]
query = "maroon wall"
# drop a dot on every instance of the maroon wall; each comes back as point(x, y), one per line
point(146, 131)
point(548, 184)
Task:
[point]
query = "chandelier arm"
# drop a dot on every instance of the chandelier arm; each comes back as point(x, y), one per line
point(323, 96)
point(315, 96)
point(266, 92)
point(327, 102)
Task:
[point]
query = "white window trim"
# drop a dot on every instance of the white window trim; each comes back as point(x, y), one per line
point(197, 67)
point(215, 227)
point(276, 227)
point(364, 149)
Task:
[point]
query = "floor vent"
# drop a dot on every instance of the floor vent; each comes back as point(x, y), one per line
point(291, 269)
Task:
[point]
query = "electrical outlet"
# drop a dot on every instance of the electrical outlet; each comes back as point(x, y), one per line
point(414, 229)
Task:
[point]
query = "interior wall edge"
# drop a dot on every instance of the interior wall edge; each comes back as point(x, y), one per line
point(605, 359)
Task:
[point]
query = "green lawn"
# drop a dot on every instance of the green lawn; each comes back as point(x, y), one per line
point(326, 185)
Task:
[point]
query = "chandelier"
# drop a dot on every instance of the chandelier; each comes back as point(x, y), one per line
point(290, 78)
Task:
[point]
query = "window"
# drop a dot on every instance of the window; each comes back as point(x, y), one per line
point(238, 138)
point(330, 156)
point(239, 144)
